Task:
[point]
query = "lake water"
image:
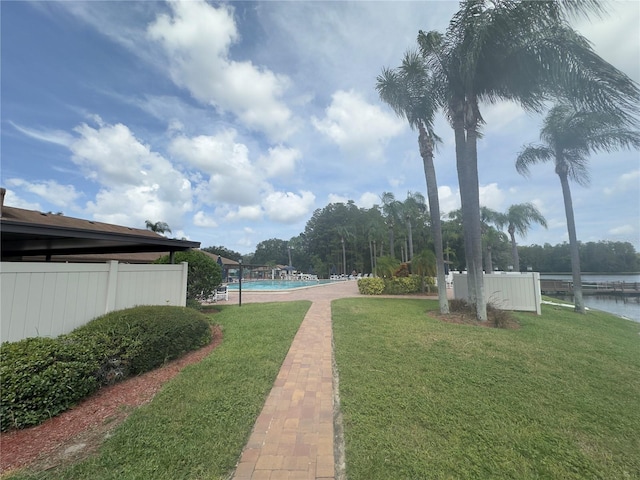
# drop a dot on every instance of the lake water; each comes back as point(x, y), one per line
point(627, 307)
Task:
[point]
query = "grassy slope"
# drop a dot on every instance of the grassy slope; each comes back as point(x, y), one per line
point(558, 398)
point(198, 424)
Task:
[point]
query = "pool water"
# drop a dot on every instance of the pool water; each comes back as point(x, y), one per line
point(265, 285)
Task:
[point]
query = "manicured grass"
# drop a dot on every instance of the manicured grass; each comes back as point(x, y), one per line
point(423, 399)
point(197, 426)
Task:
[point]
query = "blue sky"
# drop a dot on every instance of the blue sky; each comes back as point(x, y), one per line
point(233, 122)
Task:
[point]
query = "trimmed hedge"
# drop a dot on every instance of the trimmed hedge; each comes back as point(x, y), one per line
point(42, 377)
point(402, 285)
point(136, 340)
point(371, 286)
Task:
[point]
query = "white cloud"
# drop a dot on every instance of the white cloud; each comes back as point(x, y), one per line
point(112, 156)
point(287, 207)
point(491, 196)
point(368, 200)
point(449, 199)
point(280, 162)
point(336, 198)
point(213, 154)
point(201, 219)
point(57, 137)
point(357, 127)
point(133, 205)
point(622, 230)
point(11, 199)
point(197, 38)
point(246, 212)
point(62, 196)
point(626, 181)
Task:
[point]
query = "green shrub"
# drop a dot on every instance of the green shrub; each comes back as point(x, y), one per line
point(371, 286)
point(42, 377)
point(203, 274)
point(402, 285)
point(136, 340)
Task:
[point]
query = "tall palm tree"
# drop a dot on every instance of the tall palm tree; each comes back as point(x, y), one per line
point(391, 208)
point(413, 209)
point(518, 218)
point(409, 91)
point(158, 227)
point(569, 136)
point(519, 51)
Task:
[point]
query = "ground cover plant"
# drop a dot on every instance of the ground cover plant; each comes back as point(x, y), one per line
point(422, 398)
point(197, 425)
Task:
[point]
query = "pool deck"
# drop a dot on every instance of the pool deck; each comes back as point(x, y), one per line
point(293, 438)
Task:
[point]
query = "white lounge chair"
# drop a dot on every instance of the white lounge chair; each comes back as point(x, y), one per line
point(222, 293)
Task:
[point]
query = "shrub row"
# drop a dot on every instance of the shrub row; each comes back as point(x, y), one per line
point(391, 286)
point(371, 286)
point(42, 377)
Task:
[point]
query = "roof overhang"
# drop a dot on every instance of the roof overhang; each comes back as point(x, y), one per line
point(26, 239)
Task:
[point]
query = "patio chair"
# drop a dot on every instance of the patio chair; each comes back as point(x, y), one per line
point(222, 293)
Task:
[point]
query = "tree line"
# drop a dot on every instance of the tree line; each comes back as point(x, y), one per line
point(343, 237)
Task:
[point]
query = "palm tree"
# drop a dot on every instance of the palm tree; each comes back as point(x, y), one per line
point(391, 208)
point(414, 207)
point(490, 236)
point(158, 227)
point(519, 51)
point(409, 91)
point(569, 136)
point(518, 219)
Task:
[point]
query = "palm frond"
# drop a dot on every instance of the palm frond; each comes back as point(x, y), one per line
point(531, 155)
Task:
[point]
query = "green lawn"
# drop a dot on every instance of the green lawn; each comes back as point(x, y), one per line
point(197, 426)
point(558, 398)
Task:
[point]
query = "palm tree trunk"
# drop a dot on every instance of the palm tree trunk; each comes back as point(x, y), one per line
point(371, 254)
point(410, 252)
point(392, 252)
point(461, 147)
point(514, 250)
point(573, 244)
point(426, 151)
point(471, 191)
point(489, 260)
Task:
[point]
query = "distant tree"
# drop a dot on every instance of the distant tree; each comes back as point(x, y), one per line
point(518, 219)
point(158, 227)
point(272, 251)
point(569, 135)
point(387, 265)
point(424, 265)
point(223, 252)
point(203, 273)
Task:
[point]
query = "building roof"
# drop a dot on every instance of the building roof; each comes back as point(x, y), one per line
point(32, 233)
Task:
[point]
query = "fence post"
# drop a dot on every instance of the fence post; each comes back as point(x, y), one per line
point(537, 294)
point(112, 286)
point(183, 284)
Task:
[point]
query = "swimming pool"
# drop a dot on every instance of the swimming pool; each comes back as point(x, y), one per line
point(266, 285)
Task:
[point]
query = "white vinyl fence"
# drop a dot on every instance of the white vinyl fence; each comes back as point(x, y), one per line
point(49, 299)
point(507, 291)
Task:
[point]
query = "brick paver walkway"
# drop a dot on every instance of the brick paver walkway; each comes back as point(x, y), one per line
point(292, 438)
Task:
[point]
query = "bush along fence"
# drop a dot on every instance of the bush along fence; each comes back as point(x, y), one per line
point(42, 377)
